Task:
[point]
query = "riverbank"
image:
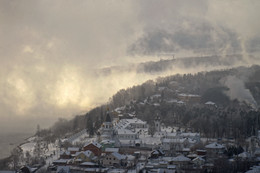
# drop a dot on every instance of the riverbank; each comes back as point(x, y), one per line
point(8, 141)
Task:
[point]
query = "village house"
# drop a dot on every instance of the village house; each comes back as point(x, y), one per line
point(63, 169)
point(73, 150)
point(114, 159)
point(65, 155)
point(83, 156)
point(95, 147)
point(111, 150)
point(214, 149)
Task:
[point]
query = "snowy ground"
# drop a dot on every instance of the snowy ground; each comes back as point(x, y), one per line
point(28, 147)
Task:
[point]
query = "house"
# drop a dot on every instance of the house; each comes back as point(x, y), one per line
point(244, 156)
point(114, 159)
point(107, 144)
point(180, 160)
point(65, 155)
point(60, 162)
point(157, 153)
point(89, 165)
point(83, 156)
point(201, 152)
point(73, 150)
point(111, 150)
point(191, 98)
point(27, 169)
point(95, 147)
point(63, 169)
point(214, 148)
point(130, 160)
point(198, 161)
point(117, 171)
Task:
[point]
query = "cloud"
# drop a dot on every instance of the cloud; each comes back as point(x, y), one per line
point(205, 27)
point(51, 51)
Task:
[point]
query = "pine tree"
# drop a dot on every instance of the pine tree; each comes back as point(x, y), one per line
point(90, 127)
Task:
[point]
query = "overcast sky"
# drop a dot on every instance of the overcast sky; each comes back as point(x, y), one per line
point(50, 50)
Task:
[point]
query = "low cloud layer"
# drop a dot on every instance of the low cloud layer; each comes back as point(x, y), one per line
point(51, 51)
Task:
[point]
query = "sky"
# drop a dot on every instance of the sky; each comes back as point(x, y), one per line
point(52, 52)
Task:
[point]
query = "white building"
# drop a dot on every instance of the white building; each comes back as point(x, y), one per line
point(179, 140)
point(134, 123)
point(125, 134)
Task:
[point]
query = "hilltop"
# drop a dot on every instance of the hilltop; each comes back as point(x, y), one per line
point(224, 99)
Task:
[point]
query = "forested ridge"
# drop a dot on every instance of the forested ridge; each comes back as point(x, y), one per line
point(234, 114)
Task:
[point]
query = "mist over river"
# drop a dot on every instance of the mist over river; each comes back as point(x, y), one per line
point(8, 141)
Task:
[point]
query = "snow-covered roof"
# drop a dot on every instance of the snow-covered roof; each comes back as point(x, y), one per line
point(123, 123)
point(116, 171)
point(254, 169)
point(156, 95)
point(118, 156)
point(199, 150)
point(155, 152)
point(150, 140)
point(63, 169)
point(172, 134)
point(209, 103)
point(257, 151)
point(188, 95)
point(198, 159)
point(181, 158)
point(167, 159)
point(87, 164)
point(61, 161)
point(86, 153)
point(160, 134)
point(244, 155)
point(180, 102)
point(161, 88)
point(214, 145)
point(111, 150)
point(125, 131)
point(65, 153)
point(186, 149)
point(192, 155)
point(189, 134)
point(171, 167)
point(171, 101)
point(179, 140)
point(107, 142)
point(130, 157)
point(94, 143)
point(120, 109)
point(191, 141)
point(173, 82)
point(73, 149)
